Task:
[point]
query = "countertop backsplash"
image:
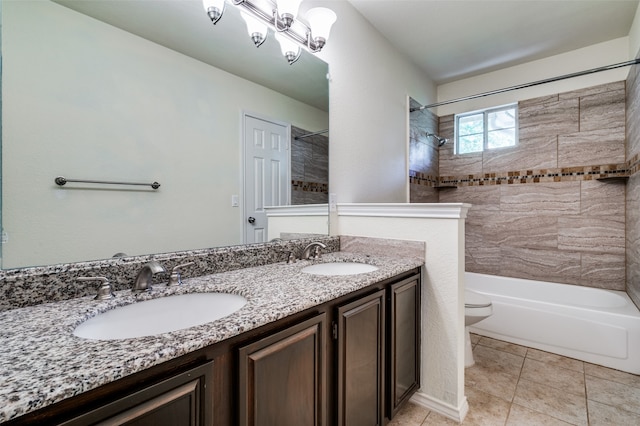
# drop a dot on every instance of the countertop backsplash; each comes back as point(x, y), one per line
point(43, 284)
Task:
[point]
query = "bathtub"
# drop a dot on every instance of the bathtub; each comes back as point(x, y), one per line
point(594, 325)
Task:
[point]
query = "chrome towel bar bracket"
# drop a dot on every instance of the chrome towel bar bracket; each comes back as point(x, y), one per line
point(61, 180)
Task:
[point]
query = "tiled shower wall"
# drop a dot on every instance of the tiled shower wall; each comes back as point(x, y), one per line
point(538, 210)
point(309, 168)
point(423, 155)
point(633, 186)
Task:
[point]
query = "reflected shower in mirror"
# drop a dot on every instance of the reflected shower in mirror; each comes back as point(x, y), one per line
point(141, 91)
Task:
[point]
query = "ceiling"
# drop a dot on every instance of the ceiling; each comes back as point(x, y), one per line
point(183, 26)
point(455, 39)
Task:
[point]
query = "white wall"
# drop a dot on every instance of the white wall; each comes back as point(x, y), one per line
point(88, 101)
point(370, 83)
point(634, 36)
point(598, 55)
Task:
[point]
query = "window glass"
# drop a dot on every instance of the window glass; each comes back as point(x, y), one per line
point(487, 129)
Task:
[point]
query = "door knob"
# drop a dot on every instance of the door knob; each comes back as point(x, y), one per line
point(251, 220)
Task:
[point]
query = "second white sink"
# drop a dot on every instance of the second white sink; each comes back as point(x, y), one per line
point(160, 315)
point(339, 268)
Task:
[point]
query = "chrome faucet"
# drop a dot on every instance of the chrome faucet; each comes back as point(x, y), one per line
point(312, 251)
point(143, 279)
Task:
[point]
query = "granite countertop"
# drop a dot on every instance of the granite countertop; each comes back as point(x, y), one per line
point(42, 362)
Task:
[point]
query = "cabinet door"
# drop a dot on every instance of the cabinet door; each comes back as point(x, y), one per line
point(282, 377)
point(404, 348)
point(181, 400)
point(361, 342)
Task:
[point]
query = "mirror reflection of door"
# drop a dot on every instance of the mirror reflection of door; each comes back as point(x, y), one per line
point(266, 173)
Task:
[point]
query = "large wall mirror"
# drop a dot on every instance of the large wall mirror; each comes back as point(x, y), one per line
point(137, 91)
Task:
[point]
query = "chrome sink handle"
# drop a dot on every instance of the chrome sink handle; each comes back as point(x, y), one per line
point(316, 246)
point(176, 277)
point(105, 290)
point(144, 277)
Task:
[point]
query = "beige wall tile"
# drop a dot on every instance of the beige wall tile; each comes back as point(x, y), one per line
point(603, 111)
point(422, 194)
point(553, 118)
point(535, 232)
point(591, 234)
point(605, 198)
point(593, 90)
point(603, 271)
point(530, 153)
point(544, 265)
point(458, 165)
point(595, 147)
point(561, 198)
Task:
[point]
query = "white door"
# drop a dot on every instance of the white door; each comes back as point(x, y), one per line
point(266, 173)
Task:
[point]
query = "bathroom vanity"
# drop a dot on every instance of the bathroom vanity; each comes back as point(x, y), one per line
point(305, 349)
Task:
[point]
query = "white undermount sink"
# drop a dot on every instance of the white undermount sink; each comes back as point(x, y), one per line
point(339, 268)
point(160, 315)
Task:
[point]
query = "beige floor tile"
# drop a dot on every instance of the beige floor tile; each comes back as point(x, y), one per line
point(503, 346)
point(492, 382)
point(606, 415)
point(484, 410)
point(554, 376)
point(613, 393)
point(557, 360)
point(410, 415)
point(522, 416)
point(435, 419)
point(498, 361)
point(611, 374)
point(554, 402)
point(475, 338)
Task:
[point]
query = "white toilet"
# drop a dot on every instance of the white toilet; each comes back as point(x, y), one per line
point(476, 308)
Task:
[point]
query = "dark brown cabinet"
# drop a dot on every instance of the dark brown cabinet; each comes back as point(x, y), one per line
point(282, 377)
point(361, 355)
point(404, 344)
point(181, 400)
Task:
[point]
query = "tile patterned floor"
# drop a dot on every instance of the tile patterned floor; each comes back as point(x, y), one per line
point(518, 386)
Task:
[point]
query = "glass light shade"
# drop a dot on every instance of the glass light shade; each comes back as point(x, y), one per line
point(254, 25)
point(288, 7)
point(320, 20)
point(290, 49)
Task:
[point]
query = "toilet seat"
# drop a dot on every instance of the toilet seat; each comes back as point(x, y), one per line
point(475, 300)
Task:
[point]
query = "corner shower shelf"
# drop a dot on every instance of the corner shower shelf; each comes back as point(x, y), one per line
point(613, 178)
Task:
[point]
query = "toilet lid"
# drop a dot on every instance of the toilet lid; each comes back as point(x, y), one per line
point(475, 300)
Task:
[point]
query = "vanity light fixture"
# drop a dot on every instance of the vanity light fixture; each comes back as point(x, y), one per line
point(282, 16)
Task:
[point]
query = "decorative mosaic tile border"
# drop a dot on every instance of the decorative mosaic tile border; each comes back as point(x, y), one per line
point(562, 174)
point(299, 185)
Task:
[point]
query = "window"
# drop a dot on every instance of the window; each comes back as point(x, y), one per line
point(487, 129)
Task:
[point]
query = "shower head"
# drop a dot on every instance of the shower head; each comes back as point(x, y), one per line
point(441, 141)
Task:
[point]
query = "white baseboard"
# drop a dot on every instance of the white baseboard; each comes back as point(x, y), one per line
point(454, 413)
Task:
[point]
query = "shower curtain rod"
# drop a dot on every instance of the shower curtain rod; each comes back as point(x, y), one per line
point(311, 134)
point(535, 83)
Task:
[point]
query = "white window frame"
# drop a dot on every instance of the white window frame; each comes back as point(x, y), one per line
point(485, 113)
